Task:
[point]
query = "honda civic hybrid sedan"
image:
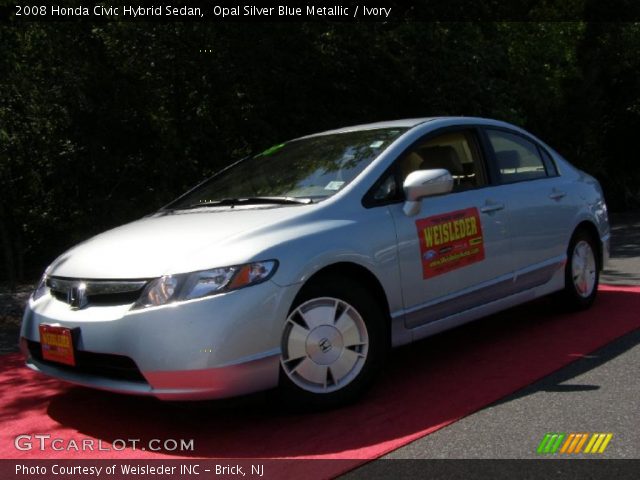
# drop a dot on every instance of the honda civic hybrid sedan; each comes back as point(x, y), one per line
point(300, 267)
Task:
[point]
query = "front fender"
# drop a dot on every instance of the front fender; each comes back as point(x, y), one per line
point(368, 241)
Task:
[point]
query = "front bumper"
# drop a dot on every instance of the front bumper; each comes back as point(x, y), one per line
point(215, 347)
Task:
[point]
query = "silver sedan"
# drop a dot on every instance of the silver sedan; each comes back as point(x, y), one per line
point(301, 266)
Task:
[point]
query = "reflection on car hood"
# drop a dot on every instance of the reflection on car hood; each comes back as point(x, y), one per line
point(158, 245)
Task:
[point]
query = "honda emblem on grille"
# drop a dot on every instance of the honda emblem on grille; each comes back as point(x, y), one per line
point(77, 296)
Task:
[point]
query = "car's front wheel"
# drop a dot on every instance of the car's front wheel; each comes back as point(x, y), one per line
point(333, 342)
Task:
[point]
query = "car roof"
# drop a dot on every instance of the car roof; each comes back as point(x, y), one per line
point(406, 123)
point(402, 123)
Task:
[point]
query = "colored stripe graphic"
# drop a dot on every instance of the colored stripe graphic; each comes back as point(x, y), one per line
point(594, 437)
point(557, 443)
point(543, 443)
point(605, 444)
point(567, 442)
point(573, 443)
point(550, 443)
point(581, 443)
point(598, 442)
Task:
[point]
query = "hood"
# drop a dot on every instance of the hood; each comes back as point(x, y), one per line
point(165, 244)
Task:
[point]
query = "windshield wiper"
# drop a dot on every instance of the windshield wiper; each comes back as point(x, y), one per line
point(251, 201)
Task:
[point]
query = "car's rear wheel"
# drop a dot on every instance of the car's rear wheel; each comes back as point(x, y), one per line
point(582, 272)
point(333, 342)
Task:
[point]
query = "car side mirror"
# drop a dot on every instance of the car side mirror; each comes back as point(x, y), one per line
point(425, 183)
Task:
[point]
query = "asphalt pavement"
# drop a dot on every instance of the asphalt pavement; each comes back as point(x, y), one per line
point(598, 393)
point(623, 267)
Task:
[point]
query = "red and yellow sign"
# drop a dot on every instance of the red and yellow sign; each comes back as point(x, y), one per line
point(57, 344)
point(449, 241)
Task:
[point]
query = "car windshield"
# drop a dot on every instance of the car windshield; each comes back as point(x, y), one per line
point(301, 171)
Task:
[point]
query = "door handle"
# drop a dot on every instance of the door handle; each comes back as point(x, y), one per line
point(491, 207)
point(557, 195)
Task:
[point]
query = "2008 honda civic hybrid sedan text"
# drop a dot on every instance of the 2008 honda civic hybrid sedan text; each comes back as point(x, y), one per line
point(301, 266)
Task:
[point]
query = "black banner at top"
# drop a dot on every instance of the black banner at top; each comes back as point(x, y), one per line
point(322, 10)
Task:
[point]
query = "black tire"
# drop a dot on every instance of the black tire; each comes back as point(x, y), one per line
point(294, 389)
point(572, 298)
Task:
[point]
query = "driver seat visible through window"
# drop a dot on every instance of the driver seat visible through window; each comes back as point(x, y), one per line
point(442, 157)
point(456, 152)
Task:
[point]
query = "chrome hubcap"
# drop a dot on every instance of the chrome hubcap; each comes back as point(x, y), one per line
point(324, 345)
point(583, 269)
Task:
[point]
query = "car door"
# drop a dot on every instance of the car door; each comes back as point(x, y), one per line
point(540, 205)
point(455, 253)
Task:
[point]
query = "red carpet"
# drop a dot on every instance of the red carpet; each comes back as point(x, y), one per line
point(427, 386)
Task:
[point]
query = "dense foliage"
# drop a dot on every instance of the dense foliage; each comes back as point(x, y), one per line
point(101, 124)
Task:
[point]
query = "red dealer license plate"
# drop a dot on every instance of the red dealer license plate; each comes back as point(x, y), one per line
point(57, 344)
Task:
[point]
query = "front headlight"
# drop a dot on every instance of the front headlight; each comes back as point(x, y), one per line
point(42, 288)
point(188, 286)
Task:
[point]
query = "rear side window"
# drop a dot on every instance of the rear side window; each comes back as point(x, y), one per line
point(549, 163)
point(517, 158)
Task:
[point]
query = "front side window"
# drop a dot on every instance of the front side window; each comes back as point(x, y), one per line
point(517, 159)
point(456, 152)
point(311, 169)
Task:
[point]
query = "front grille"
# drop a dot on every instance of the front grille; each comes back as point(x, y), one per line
point(105, 300)
point(97, 292)
point(114, 367)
